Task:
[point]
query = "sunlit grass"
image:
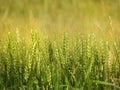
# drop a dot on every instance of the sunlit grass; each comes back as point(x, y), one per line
point(59, 45)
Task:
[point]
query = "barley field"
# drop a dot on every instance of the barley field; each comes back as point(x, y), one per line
point(59, 45)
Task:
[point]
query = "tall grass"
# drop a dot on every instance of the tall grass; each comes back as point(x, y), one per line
point(47, 59)
point(83, 63)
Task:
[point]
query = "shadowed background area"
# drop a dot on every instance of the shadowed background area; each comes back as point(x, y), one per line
point(53, 17)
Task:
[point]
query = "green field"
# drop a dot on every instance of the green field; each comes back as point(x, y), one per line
point(59, 45)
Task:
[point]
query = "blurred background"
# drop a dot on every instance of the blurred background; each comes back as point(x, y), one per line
point(54, 17)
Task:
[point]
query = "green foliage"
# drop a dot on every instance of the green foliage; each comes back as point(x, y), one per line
point(80, 64)
point(35, 62)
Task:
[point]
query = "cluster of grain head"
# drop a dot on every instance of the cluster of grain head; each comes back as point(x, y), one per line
point(46, 64)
